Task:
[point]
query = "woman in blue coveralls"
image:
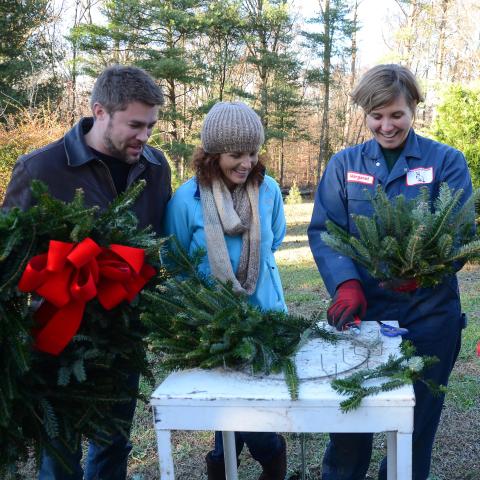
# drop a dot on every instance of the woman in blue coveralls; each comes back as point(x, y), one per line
point(402, 162)
point(235, 211)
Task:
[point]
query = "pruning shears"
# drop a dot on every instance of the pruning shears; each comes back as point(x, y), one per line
point(353, 326)
point(385, 329)
point(390, 330)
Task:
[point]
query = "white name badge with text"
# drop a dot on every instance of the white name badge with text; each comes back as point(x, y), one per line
point(417, 176)
point(357, 177)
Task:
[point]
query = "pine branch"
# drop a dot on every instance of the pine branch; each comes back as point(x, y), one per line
point(205, 324)
point(405, 369)
point(414, 247)
point(445, 205)
point(291, 377)
point(417, 239)
point(345, 248)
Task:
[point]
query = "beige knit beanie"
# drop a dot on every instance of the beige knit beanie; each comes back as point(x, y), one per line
point(231, 127)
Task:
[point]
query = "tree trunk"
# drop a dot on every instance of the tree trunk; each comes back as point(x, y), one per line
point(353, 70)
point(441, 39)
point(353, 63)
point(282, 161)
point(324, 134)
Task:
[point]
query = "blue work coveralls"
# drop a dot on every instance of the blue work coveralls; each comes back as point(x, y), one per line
point(432, 315)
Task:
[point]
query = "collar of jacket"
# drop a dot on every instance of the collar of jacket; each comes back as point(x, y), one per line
point(372, 148)
point(79, 153)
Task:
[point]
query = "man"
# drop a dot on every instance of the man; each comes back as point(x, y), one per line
point(103, 155)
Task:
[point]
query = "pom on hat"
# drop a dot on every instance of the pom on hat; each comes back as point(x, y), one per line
point(231, 127)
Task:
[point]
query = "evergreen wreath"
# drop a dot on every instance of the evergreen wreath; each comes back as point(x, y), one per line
point(416, 239)
point(199, 322)
point(406, 369)
point(45, 397)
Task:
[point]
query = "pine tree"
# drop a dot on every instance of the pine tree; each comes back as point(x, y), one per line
point(220, 47)
point(329, 44)
point(286, 102)
point(27, 78)
point(267, 33)
point(457, 123)
point(294, 196)
point(156, 36)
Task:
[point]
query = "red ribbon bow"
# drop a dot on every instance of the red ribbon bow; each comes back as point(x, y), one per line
point(71, 274)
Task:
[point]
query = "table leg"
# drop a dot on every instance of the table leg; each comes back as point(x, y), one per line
point(230, 455)
point(404, 456)
point(165, 458)
point(392, 455)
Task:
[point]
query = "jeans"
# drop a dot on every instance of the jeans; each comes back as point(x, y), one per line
point(263, 446)
point(348, 454)
point(104, 462)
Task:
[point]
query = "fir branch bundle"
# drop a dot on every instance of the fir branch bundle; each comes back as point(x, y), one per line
point(416, 239)
point(200, 322)
point(406, 369)
point(43, 397)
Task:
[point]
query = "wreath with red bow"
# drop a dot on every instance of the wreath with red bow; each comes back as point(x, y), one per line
point(70, 334)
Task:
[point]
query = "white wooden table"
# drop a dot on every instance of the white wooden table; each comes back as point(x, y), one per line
point(231, 401)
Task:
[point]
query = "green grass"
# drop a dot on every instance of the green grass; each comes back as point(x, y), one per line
point(463, 391)
point(305, 293)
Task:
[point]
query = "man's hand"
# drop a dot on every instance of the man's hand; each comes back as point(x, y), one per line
point(401, 286)
point(348, 301)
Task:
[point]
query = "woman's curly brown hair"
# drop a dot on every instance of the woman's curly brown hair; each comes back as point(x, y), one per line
point(207, 167)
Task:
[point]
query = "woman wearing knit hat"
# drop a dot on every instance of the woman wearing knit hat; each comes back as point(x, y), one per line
point(235, 211)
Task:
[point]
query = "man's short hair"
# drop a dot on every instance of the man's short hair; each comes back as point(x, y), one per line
point(119, 85)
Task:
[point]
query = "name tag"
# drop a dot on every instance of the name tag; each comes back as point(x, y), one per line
point(419, 175)
point(356, 177)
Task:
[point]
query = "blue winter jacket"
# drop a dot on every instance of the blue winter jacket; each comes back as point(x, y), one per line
point(342, 191)
point(184, 219)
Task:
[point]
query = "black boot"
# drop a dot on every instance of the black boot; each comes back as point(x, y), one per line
point(216, 470)
point(276, 467)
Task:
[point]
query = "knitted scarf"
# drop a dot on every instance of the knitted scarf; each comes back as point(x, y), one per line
point(232, 213)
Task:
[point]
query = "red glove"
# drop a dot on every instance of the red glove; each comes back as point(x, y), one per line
point(348, 301)
point(402, 286)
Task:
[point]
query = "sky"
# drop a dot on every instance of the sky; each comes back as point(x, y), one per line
point(372, 14)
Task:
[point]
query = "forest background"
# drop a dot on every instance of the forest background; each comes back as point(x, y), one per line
point(294, 62)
